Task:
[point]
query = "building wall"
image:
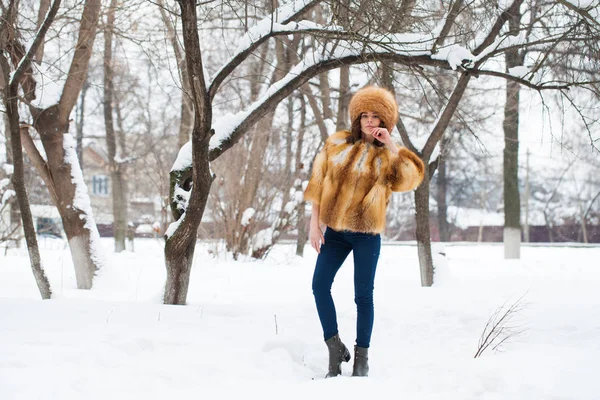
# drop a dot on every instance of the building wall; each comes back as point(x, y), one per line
point(97, 178)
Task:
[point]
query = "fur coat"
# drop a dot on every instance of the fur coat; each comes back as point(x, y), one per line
point(352, 183)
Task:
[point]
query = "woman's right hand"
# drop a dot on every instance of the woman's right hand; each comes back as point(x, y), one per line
point(316, 237)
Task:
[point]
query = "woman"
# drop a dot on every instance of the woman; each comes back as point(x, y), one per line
point(352, 180)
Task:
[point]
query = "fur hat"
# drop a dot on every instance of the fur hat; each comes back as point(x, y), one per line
point(377, 100)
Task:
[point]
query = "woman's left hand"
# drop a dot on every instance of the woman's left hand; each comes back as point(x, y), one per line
point(383, 135)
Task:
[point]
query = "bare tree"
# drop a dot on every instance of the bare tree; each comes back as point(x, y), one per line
point(116, 164)
point(501, 327)
point(186, 120)
point(61, 171)
point(10, 96)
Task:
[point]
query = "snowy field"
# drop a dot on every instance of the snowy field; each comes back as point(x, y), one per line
point(251, 329)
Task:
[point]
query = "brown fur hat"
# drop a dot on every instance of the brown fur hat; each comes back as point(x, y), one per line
point(377, 100)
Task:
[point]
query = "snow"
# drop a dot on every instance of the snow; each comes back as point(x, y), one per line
point(184, 158)
point(49, 88)
point(8, 168)
point(173, 226)
point(288, 10)
point(247, 216)
point(504, 5)
point(6, 196)
point(582, 3)
point(454, 54)
point(250, 329)
point(263, 238)
point(82, 199)
point(4, 182)
point(465, 217)
point(520, 71)
point(501, 42)
point(182, 198)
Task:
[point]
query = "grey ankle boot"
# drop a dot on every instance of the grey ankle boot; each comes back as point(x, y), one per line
point(361, 361)
point(338, 353)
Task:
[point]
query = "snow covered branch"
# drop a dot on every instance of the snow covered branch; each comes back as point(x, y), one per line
point(447, 24)
point(230, 128)
point(495, 31)
point(277, 24)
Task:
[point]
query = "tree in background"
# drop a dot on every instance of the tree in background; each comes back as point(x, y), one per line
point(10, 82)
point(61, 171)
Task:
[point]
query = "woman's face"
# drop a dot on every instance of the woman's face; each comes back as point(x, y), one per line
point(368, 121)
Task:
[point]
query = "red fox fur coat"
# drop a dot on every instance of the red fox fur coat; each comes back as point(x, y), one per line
point(352, 183)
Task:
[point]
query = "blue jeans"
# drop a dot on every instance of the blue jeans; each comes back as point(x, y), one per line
point(366, 247)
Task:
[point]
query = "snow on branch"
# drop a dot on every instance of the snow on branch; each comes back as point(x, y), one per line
point(277, 23)
point(260, 33)
point(349, 49)
point(231, 126)
point(291, 10)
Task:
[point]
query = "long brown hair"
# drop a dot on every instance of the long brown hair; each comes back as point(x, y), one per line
point(356, 133)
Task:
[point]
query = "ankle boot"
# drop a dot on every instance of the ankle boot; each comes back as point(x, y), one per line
point(338, 353)
point(361, 361)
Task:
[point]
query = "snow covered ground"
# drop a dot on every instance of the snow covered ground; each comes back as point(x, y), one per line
point(251, 330)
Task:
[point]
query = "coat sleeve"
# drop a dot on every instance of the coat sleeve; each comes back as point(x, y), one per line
point(315, 184)
point(405, 171)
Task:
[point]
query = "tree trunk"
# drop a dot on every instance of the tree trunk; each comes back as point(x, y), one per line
point(442, 192)
point(18, 180)
point(252, 178)
point(15, 218)
point(302, 221)
point(512, 201)
point(423, 234)
point(179, 256)
point(344, 101)
point(253, 173)
point(119, 187)
point(44, 6)
point(186, 121)
point(179, 247)
point(422, 192)
point(62, 172)
point(71, 198)
point(344, 94)
point(79, 122)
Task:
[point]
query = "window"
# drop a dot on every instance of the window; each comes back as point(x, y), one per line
point(100, 185)
point(48, 226)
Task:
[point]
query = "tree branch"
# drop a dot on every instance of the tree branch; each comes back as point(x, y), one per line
point(527, 83)
point(446, 116)
point(495, 31)
point(301, 74)
point(38, 161)
point(450, 18)
point(81, 57)
point(242, 55)
point(584, 13)
point(39, 39)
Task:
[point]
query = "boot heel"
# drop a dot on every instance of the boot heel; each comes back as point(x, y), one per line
point(346, 355)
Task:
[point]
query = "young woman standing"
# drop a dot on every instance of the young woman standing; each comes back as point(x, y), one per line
point(352, 180)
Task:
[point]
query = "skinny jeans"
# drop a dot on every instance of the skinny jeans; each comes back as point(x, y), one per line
point(337, 246)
